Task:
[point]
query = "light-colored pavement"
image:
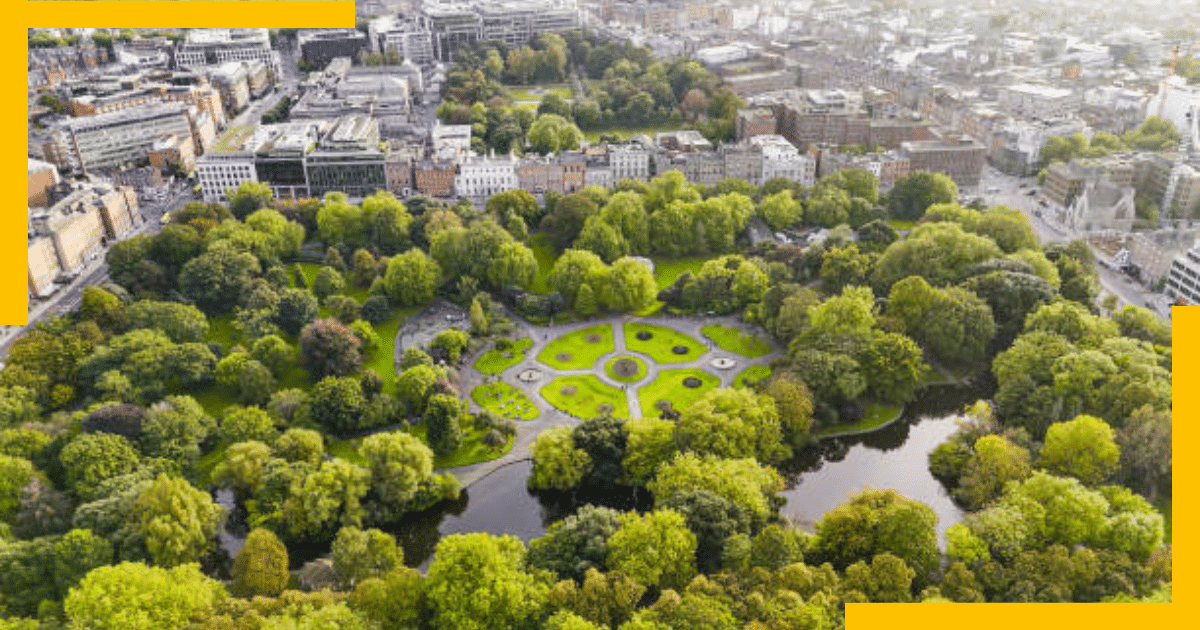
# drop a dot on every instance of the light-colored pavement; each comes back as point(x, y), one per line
point(549, 416)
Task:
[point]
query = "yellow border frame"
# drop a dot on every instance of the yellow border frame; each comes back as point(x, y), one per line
point(858, 616)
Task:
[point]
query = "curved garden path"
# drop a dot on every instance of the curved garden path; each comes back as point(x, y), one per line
point(549, 416)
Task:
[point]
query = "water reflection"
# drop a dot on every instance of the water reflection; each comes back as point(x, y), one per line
point(819, 478)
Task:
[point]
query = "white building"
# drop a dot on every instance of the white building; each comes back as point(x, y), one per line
point(228, 164)
point(113, 139)
point(782, 159)
point(410, 38)
point(628, 161)
point(214, 46)
point(480, 177)
point(1039, 102)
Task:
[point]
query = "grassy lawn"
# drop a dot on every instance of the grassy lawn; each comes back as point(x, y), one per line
point(525, 92)
point(733, 340)
point(472, 451)
point(582, 353)
point(669, 386)
point(659, 346)
point(666, 271)
point(505, 401)
point(587, 398)
point(545, 254)
point(878, 414)
point(752, 374)
point(624, 132)
point(496, 361)
point(207, 463)
point(637, 376)
point(901, 224)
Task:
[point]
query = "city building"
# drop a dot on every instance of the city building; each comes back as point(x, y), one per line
point(755, 122)
point(480, 177)
point(349, 158)
point(215, 46)
point(958, 157)
point(320, 46)
point(227, 164)
point(118, 138)
point(1039, 102)
point(72, 232)
point(410, 39)
point(173, 150)
point(780, 158)
point(42, 177)
point(1183, 280)
point(630, 160)
point(1102, 205)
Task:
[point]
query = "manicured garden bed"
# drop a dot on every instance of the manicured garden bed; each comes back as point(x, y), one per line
point(585, 397)
point(496, 361)
point(752, 375)
point(578, 350)
point(733, 340)
point(626, 369)
point(504, 400)
point(662, 344)
point(670, 386)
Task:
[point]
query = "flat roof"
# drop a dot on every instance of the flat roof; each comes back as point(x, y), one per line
point(233, 139)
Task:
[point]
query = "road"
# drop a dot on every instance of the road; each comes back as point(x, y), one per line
point(1011, 194)
point(96, 271)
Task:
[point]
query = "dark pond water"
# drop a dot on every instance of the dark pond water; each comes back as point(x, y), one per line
point(819, 479)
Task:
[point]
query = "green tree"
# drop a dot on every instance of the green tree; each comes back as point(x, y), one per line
point(261, 567)
point(795, 404)
point(551, 133)
point(741, 481)
point(385, 222)
point(631, 285)
point(328, 498)
point(995, 462)
point(572, 547)
point(76, 554)
point(941, 253)
point(102, 307)
point(914, 193)
point(214, 279)
point(242, 468)
point(296, 309)
point(733, 424)
point(1084, 448)
point(249, 197)
point(327, 283)
point(557, 463)
point(1145, 444)
point(301, 445)
point(574, 269)
point(476, 581)
point(414, 386)
point(133, 596)
point(91, 458)
point(656, 549)
point(411, 278)
point(713, 520)
point(181, 322)
point(886, 579)
point(514, 265)
point(844, 266)
point(361, 554)
point(878, 521)
point(337, 403)
point(893, 367)
point(174, 429)
point(399, 463)
point(651, 442)
point(178, 522)
point(241, 424)
point(396, 600)
point(442, 414)
point(15, 474)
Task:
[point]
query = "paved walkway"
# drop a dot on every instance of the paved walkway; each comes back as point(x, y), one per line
point(549, 416)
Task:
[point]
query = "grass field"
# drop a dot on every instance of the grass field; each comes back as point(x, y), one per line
point(752, 375)
point(666, 271)
point(583, 354)
point(877, 415)
point(641, 371)
point(472, 451)
point(625, 132)
point(659, 345)
point(588, 398)
point(545, 254)
point(526, 92)
point(901, 224)
point(505, 401)
point(494, 361)
point(669, 386)
point(733, 340)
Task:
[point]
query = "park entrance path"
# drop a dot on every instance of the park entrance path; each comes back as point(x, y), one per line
point(550, 416)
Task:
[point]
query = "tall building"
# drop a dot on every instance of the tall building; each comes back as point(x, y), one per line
point(73, 231)
point(349, 158)
point(320, 46)
point(960, 158)
point(112, 140)
point(1183, 280)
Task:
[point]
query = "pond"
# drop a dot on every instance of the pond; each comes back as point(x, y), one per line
point(819, 478)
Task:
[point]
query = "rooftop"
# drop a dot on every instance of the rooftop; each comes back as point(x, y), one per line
point(233, 140)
